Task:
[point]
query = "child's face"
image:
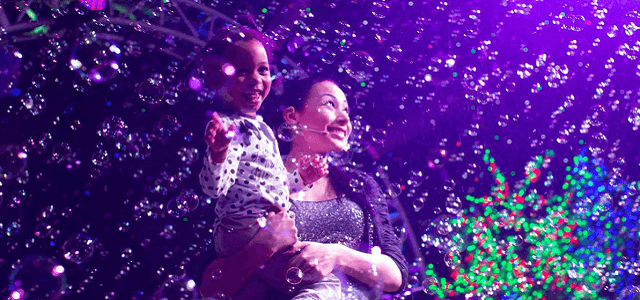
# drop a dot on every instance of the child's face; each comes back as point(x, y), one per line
point(252, 78)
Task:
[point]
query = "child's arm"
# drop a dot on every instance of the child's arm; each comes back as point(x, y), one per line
point(221, 158)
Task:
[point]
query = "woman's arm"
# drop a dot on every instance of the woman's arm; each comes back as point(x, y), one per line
point(228, 275)
point(376, 270)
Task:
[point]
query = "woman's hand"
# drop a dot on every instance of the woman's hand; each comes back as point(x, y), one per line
point(218, 137)
point(312, 168)
point(280, 232)
point(316, 260)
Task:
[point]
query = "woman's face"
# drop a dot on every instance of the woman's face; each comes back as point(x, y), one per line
point(325, 119)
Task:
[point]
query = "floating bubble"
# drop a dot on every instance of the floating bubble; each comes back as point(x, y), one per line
point(327, 56)
point(32, 104)
point(598, 143)
point(449, 185)
point(415, 178)
point(418, 203)
point(168, 125)
point(61, 152)
point(36, 278)
point(174, 209)
point(598, 115)
point(286, 132)
point(395, 189)
point(113, 127)
point(78, 248)
point(452, 259)
point(357, 185)
point(339, 158)
point(95, 59)
point(100, 157)
point(379, 136)
point(359, 65)
point(431, 286)
point(380, 9)
point(10, 60)
point(394, 53)
point(43, 230)
point(453, 204)
point(188, 200)
point(294, 275)
point(630, 293)
point(13, 161)
point(152, 90)
point(176, 288)
point(188, 155)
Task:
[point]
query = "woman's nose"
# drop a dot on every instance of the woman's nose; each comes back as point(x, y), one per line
point(342, 119)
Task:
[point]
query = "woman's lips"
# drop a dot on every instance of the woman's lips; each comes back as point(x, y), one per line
point(342, 133)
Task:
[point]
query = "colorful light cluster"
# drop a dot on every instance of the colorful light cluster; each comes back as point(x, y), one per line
point(519, 244)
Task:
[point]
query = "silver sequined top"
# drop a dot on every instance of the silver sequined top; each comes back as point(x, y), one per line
point(337, 221)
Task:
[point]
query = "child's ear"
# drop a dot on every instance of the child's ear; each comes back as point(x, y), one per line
point(290, 115)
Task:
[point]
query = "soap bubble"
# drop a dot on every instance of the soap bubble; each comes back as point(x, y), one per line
point(113, 127)
point(359, 65)
point(13, 161)
point(176, 288)
point(10, 60)
point(36, 278)
point(96, 59)
point(78, 248)
point(294, 275)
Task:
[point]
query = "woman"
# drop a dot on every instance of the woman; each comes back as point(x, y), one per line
point(341, 231)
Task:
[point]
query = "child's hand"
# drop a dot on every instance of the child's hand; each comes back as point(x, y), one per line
point(312, 168)
point(218, 138)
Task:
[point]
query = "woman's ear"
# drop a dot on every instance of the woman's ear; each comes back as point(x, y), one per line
point(290, 115)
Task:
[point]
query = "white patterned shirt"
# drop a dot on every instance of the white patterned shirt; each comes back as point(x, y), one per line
point(252, 177)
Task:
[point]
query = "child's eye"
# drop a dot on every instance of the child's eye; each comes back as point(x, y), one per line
point(263, 70)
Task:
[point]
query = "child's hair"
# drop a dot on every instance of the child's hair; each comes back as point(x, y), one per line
point(227, 37)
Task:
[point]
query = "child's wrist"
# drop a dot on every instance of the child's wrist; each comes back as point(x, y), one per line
point(218, 156)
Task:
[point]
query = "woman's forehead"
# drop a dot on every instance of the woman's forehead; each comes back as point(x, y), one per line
point(328, 89)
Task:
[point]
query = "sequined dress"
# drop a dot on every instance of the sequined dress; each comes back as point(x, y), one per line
point(336, 221)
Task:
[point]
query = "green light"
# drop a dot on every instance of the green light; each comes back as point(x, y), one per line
point(455, 74)
point(41, 29)
point(581, 142)
point(32, 15)
point(496, 137)
point(473, 51)
point(264, 10)
point(362, 84)
point(342, 42)
point(308, 9)
point(539, 87)
point(143, 110)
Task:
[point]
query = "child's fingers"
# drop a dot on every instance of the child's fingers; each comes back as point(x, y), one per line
point(218, 121)
point(230, 133)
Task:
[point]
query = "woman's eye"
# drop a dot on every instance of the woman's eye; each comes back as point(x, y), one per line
point(330, 103)
point(263, 70)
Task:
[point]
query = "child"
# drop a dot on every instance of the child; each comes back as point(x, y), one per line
point(243, 169)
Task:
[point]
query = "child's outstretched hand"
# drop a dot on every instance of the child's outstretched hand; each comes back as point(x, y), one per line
point(312, 168)
point(218, 137)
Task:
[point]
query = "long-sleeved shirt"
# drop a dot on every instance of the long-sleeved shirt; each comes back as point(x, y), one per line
point(252, 177)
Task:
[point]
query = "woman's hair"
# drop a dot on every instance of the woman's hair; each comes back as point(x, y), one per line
point(296, 92)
